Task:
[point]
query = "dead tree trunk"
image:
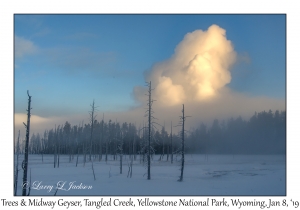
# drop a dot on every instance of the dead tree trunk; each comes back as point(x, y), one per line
point(133, 147)
point(182, 145)
point(17, 165)
point(171, 144)
point(149, 130)
point(58, 148)
point(163, 143)
point(25, 166)
point(54, 160)
point(92, 117)
point(77, 154)
point(106, 149)
point(29, 185)
point(101, 140)
point(168, 151)
point(55, 146)
point(58, 151)
point(144, 144)
point(107, 139)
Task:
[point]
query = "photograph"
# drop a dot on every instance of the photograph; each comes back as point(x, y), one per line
point(149, 105)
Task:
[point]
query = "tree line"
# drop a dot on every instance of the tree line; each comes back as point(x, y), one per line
point(263, 133)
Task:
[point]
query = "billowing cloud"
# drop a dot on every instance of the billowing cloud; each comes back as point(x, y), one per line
point(170, 93)
point(198, 69)
point(197, 75)
point(24, 47)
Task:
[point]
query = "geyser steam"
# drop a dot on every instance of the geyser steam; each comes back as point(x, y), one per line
point(198, 69)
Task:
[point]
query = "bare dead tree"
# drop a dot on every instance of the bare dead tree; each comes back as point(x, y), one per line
point(107, 140)
point(17, 164)
point(141, 144)
point(55, 147)
point(43, 145)
point(29, 184)
point(168, 149)
point(79, 134)
point(77, 153)
point(133, 152)
point(25, 165)
point(58, 148)
point(101, 139)
point(120, 148)
point(149, 130)
point(163, 142)
point(150, 125)
point(144, 144)
point(133, 145)
point(92, 118)
point(182, 118)
point(171, 144)
point(115, 141)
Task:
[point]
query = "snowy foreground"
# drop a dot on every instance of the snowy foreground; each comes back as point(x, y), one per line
point(214, 175)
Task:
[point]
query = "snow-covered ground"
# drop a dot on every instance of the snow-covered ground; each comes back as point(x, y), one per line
point(211, 175)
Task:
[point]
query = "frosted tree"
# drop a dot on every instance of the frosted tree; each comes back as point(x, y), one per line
point(171, 135)
point(141, 143)
point(25, 161)
point(108, 140)
point(149, 128)
point(120, 148)
point(182, 118)
point(17, 164)
point(92, 119)
point(101, 138)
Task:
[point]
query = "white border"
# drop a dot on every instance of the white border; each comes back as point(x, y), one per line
point(9, 8)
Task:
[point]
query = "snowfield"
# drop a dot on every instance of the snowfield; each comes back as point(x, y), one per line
point(203, 176)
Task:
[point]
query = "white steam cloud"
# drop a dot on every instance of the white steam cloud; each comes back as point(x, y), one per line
point(196, 75)
point(198, 69)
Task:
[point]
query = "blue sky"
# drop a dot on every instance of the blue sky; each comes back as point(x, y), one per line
point(66, 61)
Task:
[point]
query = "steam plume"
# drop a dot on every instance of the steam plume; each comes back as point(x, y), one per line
point(198, 69)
